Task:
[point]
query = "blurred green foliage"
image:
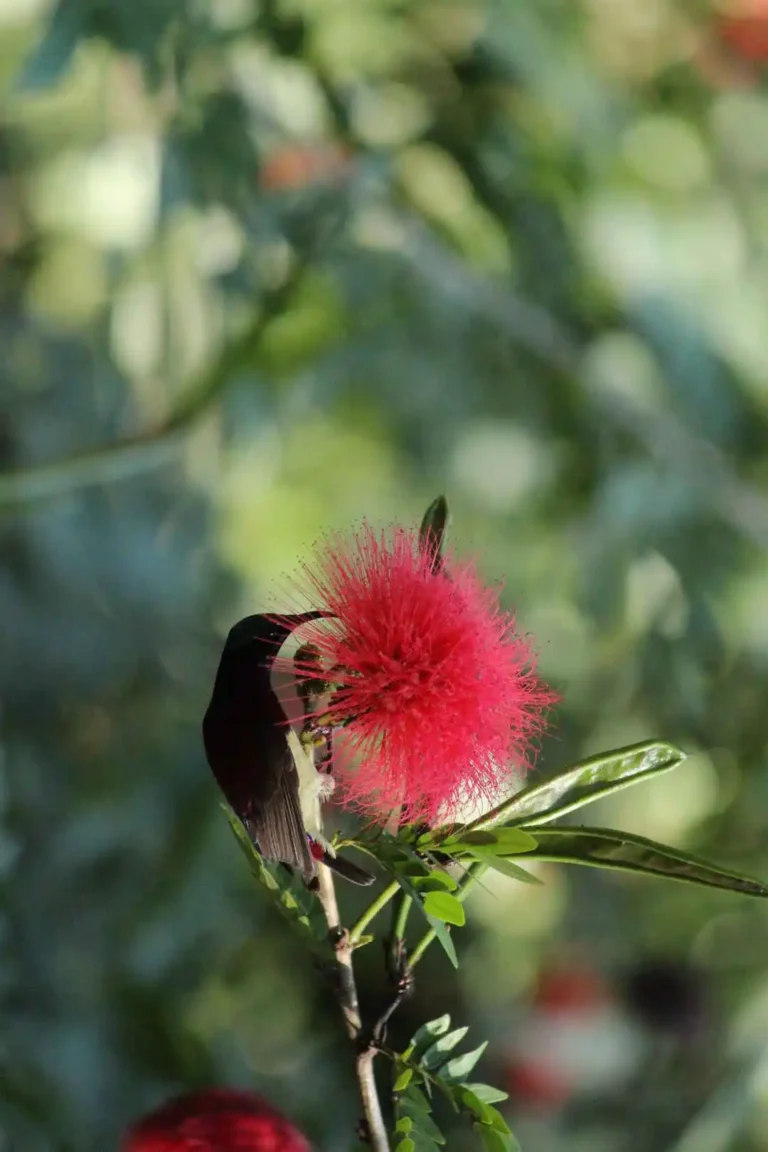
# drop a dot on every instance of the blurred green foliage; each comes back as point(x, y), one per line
point(266, 268)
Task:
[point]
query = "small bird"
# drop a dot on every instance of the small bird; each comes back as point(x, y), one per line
point(266, 773)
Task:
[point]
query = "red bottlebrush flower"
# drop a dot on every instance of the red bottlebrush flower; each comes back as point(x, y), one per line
point(435, 688)
point(215, 1120)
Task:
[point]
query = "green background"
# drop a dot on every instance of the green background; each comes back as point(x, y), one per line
point(266, 269)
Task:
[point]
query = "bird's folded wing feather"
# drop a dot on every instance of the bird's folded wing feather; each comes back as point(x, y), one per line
point(277, 825)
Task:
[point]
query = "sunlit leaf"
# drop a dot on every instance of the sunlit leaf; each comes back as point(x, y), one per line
point(443, 906)
point(437, 1053)
point(430, 1032)
point(456, 1070)
point(403, 1080)
point(487, 1093)
point(583, 783)
point(608, 848)
point(434, 881)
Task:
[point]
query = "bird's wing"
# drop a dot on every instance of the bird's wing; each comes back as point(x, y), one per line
point(276, 823)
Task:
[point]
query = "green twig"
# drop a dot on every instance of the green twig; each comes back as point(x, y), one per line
point(373, 910)
point(473, 875)
point(395, 943)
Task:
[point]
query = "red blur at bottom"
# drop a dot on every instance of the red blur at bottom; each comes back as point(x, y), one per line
point(215, 1120)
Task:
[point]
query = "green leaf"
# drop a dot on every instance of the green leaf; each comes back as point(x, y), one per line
point(441, 932)
point(443, 906)
point(607, 848)
point(429, 1032)
point(423, 1142)
point(590, 780)
point(473, 1103)
point(437, 1053)
point(494, 1141)
point(455, 1071)
point(294, 901)
point(403, 1080)
point(433, 532)
point(502, 864)
point(415, 1100)
point(484, 1112)
point(435, 881)
point(487, 1093)
point(497, 841)
point(404, 1125)
point(406, 1145)
point(423, 1124)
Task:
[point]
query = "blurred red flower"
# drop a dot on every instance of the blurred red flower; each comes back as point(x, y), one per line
point(215, 1120)
point(743, 29)
point(436, 688)
point(296, 166)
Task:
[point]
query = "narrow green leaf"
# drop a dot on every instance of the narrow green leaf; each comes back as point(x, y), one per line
point(455, 1071)
point(437, 1053)
point(505, 866)
point(429, 1032)
point(443, 906)
point(487, 1093)
point(498, 841)
point(583, 783)
point(403, 1080)
point(608, 848)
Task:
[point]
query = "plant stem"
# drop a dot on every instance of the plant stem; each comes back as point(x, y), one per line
point(376, 1133)
point(401, 919)
point(372, 911)
point(474, 873)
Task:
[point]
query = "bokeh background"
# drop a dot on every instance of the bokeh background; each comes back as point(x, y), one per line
point(267, 268)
